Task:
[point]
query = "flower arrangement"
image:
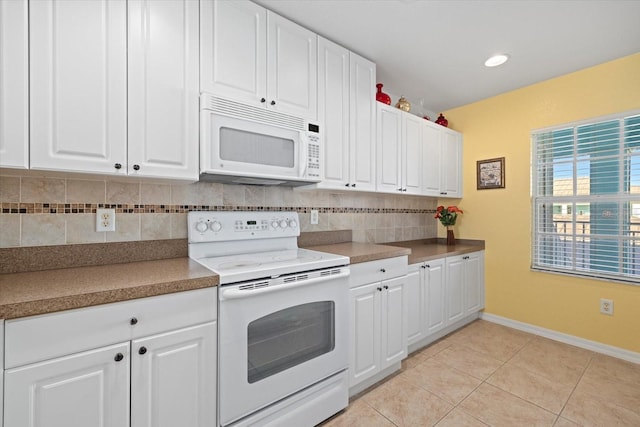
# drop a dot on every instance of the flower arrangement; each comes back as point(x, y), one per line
point(447, 216)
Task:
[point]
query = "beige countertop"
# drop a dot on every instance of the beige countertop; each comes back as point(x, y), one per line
point(362, 252)
point(428, 249)
point(29, 293)
point(38, 292)
point(418, 250)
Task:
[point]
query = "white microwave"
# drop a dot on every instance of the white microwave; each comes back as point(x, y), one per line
point(243, 144)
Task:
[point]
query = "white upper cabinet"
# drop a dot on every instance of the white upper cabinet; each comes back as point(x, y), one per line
point(292, 82)
point(234, 50)
point(411, 169)
point(333, 111)
point(14, 84)
point(431, 159)
point(388, 147)
point(345, 82)
point(78, 85)
point(362, 123)
point(399, 151)
point(163, 89)
point(442, 161)
point(252, 55)
point(102, 103)
point(452, 159)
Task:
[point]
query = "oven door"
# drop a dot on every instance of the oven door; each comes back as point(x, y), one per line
point(276, 339)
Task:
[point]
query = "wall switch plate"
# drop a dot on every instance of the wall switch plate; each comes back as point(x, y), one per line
point(105, 220)
point(606, 306)
point(314, 217)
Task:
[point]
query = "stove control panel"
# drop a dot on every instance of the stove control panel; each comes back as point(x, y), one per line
point(215, 226)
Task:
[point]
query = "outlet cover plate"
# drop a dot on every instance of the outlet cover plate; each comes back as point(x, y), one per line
point(105, 220)
point(606, 306)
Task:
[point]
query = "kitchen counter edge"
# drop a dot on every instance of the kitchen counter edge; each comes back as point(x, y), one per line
point(40, 292)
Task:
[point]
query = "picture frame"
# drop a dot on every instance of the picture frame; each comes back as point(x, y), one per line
point(490, 173)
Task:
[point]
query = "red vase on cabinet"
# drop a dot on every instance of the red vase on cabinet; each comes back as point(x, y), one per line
point(381, 96)
point(442, 121)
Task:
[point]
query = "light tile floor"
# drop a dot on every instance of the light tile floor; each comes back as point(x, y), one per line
point(488, 374)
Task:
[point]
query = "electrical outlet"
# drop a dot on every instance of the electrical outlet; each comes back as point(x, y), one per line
point(105, 220)
point(314, 217)
point(606, 306)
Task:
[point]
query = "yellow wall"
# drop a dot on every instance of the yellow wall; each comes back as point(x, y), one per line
point(500, 127)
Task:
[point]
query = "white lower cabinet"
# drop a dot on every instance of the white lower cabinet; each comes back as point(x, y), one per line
point(444, 293)
point(378, 320)
point(173, 378)
point(84, 389)
point(163, 379)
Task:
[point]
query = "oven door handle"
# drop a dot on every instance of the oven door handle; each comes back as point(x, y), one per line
point(233, 292)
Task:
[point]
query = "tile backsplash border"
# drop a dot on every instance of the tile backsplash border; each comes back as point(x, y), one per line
point(44, 211)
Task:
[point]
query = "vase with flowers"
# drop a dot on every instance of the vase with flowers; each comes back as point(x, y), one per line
point(448, 217)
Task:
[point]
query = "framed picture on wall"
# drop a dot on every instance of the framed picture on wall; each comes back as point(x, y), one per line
point(490, 173)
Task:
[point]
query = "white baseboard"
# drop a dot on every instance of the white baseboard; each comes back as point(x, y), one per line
point(609, 350)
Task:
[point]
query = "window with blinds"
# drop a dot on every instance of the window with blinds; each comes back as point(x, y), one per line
point(586, 199)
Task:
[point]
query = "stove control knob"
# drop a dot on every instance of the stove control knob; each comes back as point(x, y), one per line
point(275, 223)
point(201, 226)
point(215, 226)
point(293, 223)
point(283, 223)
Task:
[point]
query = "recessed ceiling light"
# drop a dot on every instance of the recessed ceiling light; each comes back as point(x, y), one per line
point(496, 60)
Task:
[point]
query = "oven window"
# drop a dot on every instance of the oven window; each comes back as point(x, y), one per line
point(248, 147)
point(290, 337)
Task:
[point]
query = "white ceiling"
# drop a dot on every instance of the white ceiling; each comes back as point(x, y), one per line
point(434, 50)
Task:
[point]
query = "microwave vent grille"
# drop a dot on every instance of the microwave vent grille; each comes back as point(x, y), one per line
point(256, 114)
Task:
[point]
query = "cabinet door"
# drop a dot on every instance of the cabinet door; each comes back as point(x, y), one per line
point(84, 389)
point(389, 140)
point(455, 289)
point(474, 282)
point(163, 89)
point(78, 90)
point(364, 328)
point(333, 111)
point(414, 290)
point(362, 123)
point(292, 67)
point(451, 185)
point(234, 50)
point(411, 154)
point(431, 159)
point(394, 321)
point(14, 85)
point(435, 291)
point(173, 378)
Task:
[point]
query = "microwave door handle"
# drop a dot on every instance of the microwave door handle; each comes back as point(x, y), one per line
point(304, 153)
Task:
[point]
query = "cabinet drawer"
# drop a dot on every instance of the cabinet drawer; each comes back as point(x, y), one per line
point(36, 338)
point(375, 271)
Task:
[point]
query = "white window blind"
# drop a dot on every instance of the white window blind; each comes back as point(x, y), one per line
point(586, 198)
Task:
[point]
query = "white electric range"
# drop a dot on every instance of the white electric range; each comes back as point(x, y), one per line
point(282, 318)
